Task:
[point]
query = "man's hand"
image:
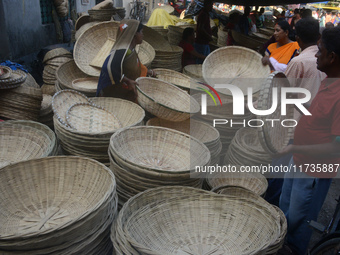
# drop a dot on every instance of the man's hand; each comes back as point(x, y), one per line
point(265, 61)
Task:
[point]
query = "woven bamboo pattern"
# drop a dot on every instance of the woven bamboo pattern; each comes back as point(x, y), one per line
point(84, 27)
point(194, 71)
point(155, 39)
point(268, 31)
point(175, 34)
point(160, 149)
point(181, 80)
point(247, 142)
point(254, 182)
point(161, 30)
point(246, 41)
point(22, 140)
point(91, 119)
point(198, 129)
point(82, 20)
point(165, 100)
point(67, 73)
point(87, 85)
point(95, 145)
point(57, 52)
point(235, 65)
point(89, 44)
point(6, 72)
point(274, 139)
point(261, 36)
point(190, 229)
point(48, 89)
point(101, 15)
point(68, 205)
point(14, 80)
point(146, 53)
point(46, 112)
point(169, 59)
point(63, 100)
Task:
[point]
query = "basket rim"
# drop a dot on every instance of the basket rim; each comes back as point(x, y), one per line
point(94, 106)
point(163, 105)
point(86, 212)
point(162, 129)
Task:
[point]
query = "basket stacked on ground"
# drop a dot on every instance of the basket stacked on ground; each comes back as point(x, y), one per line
point(21, 103)
point(175, 34)
point(246, 41)
point(46, 112)
point(252, 198)
point(183, 220)
point(52, 60)
point(155, 39)
point(228, 129)
point(101, 15)
point(181, 80)
point(83, 28)
point(194, 71)
point(246, 150)
point(22, 140)
point(235, 65)
point(60, 205)
point(10, 79)
point(165, 100)
point(161, 30)
point(95, 145)
point(254, 182)
point(169, 59)
point(147, 157)
point(198, 129)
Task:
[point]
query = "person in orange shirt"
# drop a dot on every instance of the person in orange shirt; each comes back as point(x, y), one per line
point(279, 54)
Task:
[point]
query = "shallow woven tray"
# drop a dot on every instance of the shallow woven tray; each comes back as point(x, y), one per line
point(92, 119)
point(56, 53)
point(55, 202)
point(67, 73)
point(235, 65)
point(177, 78)
point(146, 53)
point(21, 142)
point(155, 39)
point(89, 44)
point(158, 148)
point(63, 100)
point(84, 27)
point(198, 129)
point(165, 100)
point(7, 71)
point(274, 139)
point(251, 227)
point(255, 182)
point(15, 80)
point(194, 71)
point(87, 85)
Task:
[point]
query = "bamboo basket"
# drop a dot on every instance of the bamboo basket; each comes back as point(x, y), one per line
point(190, 205)
point(235, 65)
point(89, 44)
point(164, 100)
point(69, 203)
point(146, 53)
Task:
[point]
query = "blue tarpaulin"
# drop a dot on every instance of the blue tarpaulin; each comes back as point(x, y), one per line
point(13, 65)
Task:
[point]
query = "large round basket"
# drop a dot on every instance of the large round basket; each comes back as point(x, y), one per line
point(90, 43)
point(55, 204)
point(155, 39)
point(159, 149)
point(275, 138)
point(194, 71)
point(165, 100)
point(179, 79)
point(235, 65)
point(22, 140)
point(255, 182)
point(190, 229)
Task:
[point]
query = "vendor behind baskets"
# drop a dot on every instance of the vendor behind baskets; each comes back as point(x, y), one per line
point(122, 67)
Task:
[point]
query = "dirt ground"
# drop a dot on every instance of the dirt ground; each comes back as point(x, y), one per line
point(327, 209)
